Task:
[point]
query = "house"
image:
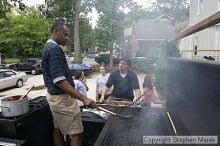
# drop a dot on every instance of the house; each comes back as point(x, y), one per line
point(145, 37)
point(206, 42)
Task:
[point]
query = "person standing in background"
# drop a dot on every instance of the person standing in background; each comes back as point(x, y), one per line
point(100, 83)
point(80, 84)
point(125, 83)
point(148, 93)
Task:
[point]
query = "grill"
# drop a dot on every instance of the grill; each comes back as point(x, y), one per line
point(93, 124)
point(34, 127)
point(130, 131)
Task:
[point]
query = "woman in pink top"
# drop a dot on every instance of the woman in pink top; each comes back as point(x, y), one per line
point(148, 93)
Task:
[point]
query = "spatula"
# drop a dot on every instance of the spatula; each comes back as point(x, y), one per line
point(26, 93)
point(111, 113)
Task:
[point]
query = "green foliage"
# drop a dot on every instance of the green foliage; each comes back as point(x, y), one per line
point(57, 9)
point(23, 35)
point(178, 9)
point(108, 31)
point(87, 34)
point(111, 22)
point(7, 5)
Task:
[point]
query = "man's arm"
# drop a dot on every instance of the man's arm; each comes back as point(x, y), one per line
point(136, 86)
point(97, 91)
point(87, 88)
point(137, 93)
point(68, 88)
point(104, 92)
point(108, 84)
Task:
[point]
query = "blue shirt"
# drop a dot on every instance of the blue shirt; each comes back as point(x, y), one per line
point(54, 67)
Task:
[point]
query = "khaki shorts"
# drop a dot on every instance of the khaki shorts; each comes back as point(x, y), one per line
point(66, 113)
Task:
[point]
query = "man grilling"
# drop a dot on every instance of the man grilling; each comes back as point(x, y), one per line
point(125, 83)
point(61, 93)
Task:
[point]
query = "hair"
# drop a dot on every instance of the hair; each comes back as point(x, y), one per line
point(147, 82)
point(78, 74)
point(57, 25)
point(127, 60)
point(104, 67)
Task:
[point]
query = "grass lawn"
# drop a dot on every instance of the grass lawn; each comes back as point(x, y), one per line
point(11, 60)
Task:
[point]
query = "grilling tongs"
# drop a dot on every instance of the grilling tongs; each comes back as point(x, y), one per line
point(111, 113)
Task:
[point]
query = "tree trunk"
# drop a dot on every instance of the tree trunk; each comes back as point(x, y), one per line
point(111, 59)
point(77, 54)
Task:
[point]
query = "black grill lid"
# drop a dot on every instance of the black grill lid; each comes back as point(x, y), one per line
point(130, 131)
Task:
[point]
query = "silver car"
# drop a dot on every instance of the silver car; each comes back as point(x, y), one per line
point(10, 78)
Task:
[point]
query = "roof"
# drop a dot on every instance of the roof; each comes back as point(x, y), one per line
point(165, 17)
point(154, 29)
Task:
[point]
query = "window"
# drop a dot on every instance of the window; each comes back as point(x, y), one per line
point(30, 62)
point(22, 63)
point(200, 6)
point(195, 50)
point(9, 73)
point(195, 47)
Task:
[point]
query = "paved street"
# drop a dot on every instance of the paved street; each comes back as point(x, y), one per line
point(37, 81)
point(39, 90)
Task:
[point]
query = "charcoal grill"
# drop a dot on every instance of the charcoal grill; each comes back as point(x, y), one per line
point(130, 131)
point(93, 124)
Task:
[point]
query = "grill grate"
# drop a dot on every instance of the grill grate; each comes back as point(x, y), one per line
point(130, 131)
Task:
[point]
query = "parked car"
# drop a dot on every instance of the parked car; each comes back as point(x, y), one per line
point(92, 55)
point(105, 58)
point(141, 61)
point(10, 78)
point(79, 66)
point(32, 65)
point(69, 59)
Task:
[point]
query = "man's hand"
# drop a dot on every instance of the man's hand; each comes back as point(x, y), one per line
point(97, 98)
point(102, 99)
point(89, 103)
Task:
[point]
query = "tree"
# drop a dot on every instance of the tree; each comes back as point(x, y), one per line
point(6, 5)
point(77, 56)
point(24, 34)
point(178, 9)
point(108, 31)
point(87, 34)
point(111, 23)
point(55, 8)
point(70, 10)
